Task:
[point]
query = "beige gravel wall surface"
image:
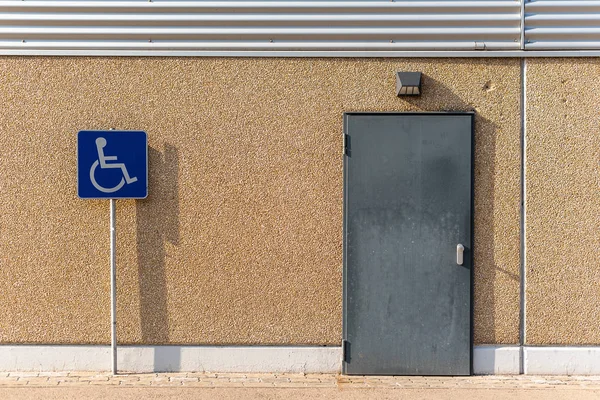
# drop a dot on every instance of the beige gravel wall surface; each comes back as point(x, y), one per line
point(240, 239)
point(563, 201)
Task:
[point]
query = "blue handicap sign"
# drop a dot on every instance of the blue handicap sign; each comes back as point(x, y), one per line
point(112, 164)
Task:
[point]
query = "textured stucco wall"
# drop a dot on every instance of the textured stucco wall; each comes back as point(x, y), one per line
point(563, 201)
point(240, 239)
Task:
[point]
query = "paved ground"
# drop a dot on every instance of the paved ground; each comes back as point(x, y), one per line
point(290, 386)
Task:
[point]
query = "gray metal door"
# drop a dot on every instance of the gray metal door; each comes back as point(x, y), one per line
point(407, 210)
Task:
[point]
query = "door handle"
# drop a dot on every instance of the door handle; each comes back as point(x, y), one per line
point(460, 249)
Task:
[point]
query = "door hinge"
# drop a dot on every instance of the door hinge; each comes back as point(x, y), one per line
point(346, 144)
point(345, 351)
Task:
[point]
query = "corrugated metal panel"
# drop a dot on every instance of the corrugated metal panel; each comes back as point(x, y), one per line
point(260, 25)
point(560, 24)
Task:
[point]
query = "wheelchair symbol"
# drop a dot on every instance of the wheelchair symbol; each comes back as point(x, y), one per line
point(102, 161)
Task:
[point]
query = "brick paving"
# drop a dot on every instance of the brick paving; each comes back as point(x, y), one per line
point(224, 380)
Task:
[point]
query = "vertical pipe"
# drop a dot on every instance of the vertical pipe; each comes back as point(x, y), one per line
point(113, 286)
point(523, 299)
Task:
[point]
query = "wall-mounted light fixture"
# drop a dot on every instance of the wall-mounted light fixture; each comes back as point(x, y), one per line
point(408, 83)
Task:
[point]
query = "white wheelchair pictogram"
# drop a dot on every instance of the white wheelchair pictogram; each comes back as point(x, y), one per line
point(102, 161)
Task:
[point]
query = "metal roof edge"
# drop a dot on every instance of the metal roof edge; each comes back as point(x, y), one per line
point(305, 54)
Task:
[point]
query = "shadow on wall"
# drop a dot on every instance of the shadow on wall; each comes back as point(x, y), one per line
point(485, 261)
point(158, 223)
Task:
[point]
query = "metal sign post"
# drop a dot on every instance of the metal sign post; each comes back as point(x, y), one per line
point(113, 285)
point(112, 165)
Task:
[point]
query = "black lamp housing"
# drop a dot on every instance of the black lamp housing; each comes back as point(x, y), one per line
point(408, 83)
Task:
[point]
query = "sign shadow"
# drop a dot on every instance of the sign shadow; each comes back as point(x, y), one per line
point(157, 225)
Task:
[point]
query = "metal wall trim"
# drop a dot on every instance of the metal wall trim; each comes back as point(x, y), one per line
point(552, 24)
point(523, 224)
point(276, 25)
point(303, 54)
point(33, 27)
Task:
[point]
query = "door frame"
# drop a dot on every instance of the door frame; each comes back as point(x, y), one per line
point(346, 153)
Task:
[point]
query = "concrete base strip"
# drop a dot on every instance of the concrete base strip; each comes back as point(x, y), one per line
point(172, 358)
point(496, 360)
point(574, 360)
point(487, 359)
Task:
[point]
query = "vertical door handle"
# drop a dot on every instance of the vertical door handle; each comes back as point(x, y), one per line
point(460, 249)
